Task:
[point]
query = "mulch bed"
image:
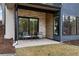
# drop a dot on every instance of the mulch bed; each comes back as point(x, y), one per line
point(72, 42)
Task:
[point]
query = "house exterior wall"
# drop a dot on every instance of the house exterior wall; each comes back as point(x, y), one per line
point(40, 15)
point(69, 9)
point(9, 24)
point(66, 10)
point(45, 22)
point(49, 25)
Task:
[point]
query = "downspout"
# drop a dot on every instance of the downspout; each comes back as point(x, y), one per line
point(60, 27)
point(15, 15)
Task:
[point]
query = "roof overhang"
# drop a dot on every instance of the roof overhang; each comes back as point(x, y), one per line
point(34, 6)
point(41, 6)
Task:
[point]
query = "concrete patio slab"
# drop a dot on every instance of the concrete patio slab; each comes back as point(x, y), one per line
point(34, 42)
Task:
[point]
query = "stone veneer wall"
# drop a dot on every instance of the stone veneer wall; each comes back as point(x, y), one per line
point(40, 15)
point(49, 25)
point(45, 21)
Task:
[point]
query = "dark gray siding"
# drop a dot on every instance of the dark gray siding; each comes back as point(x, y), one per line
point(70, 37)
point(57, 38)
point(69, 9)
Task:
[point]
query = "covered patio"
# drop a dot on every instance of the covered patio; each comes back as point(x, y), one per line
point(29, 21)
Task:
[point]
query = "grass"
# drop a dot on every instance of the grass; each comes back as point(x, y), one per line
point(49, 50)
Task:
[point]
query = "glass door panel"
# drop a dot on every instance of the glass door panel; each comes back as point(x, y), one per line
point(23, 27)
point(28, 27)
point(33, 27)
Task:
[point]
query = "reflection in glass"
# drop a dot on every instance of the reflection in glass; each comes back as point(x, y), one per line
point(23, 27)
point(28, 27)
point(56, 25)
point(69, 25)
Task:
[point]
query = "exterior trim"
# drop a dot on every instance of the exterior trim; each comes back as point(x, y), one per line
point(35, 9)
point(16, 22)
point(46, 5)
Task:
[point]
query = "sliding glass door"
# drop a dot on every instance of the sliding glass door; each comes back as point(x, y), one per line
point(23, 27)
point(28, 27)
point(33, 27)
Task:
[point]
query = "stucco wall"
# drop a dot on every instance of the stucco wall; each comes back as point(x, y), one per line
point(9, 24)
point(40, 15)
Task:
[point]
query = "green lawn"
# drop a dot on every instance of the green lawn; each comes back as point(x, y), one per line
point(49, 50)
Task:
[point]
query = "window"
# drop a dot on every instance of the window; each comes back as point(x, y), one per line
point(70, 25)
point(56, 25)
point(66, 25)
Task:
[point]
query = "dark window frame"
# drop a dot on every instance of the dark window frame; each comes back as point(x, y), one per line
point(77, 25)
point(58, 21)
